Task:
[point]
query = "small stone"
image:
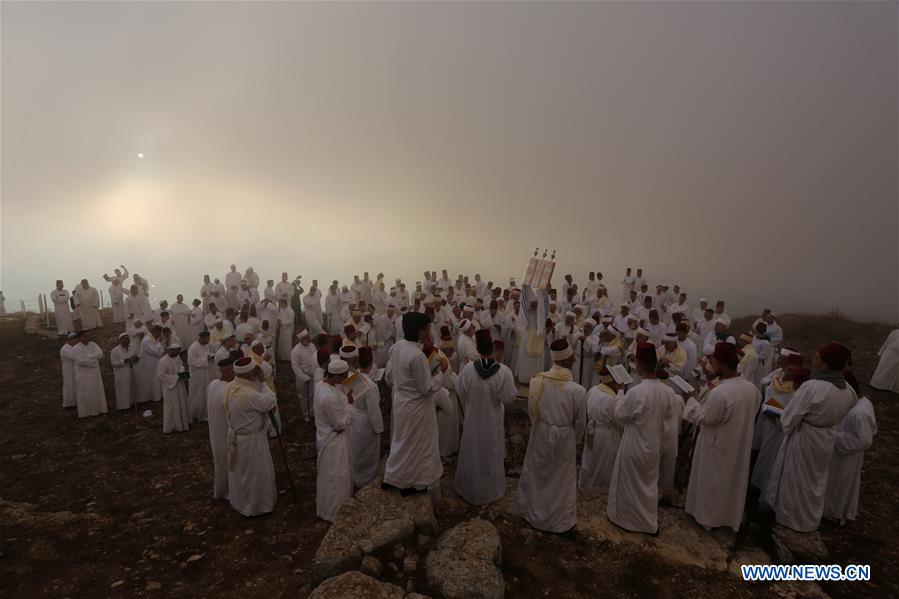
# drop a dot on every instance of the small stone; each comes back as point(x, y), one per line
point(117, 583)
point(19, 456)
point(410, 564)
point(249, 531)
point(410, 586)
point(423, 540)
point(371, 566)
point(399, 552)
point(153, 586)
point(194, 557)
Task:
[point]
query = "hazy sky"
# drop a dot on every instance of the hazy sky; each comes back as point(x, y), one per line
point(746, 150)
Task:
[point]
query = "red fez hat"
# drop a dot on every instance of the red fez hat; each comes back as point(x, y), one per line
point(323, 356)
point(795, 360)
point(682, 327)
point(484, 341)
point(726, 353)
point(499, 344)
point(365, 356)
point(549, 323)
point(653, 312)
point(348, 328)
point(646, 353)
point(558, 345)
point(835, 355)
point(445, 333)
point(494, 304)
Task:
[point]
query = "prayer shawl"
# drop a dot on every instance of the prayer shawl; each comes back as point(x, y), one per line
point(556, 375)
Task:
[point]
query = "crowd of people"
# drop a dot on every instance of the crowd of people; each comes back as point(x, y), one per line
point(633, 381)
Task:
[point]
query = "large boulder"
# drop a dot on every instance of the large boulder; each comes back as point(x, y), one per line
point(465, 562)
point(356, 584)
point(371, 520)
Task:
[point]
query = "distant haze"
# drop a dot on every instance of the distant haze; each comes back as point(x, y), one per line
point(745, 150)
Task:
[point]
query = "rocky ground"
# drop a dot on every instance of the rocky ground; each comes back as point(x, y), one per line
point(109, 506)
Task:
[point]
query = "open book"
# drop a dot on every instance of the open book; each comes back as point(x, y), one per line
point(356, 384)
point(620, 374)
point(681, 384)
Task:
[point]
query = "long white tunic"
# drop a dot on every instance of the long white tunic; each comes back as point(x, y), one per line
point(303, 363)
point(634, 486)
point(366, 426)
point(334, 469)
point(148, 385)
point(527, 363)
point(854, 435)
point(181, 321)
point(175, 416)
point(117, 303)
point(218, 436)
point(122, 374)
point(886, 376)
point(414, 459)
point(449, 414)
point(199, 360)
point(285, 333)
point(718, 479)
point(251, 472)
point(88, 302)
point(312, 307)
point(547, 489)
point(89, 393)
point(481, 472)
point(67, 358)
point(602, 439)
point(798, 481)
point(670, 436)
point(61, 311)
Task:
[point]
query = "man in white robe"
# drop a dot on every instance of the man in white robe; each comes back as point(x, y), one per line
point(302, 362)
point(151, 350)
point(312, 308)
point(366, 424)
point(200, 361)
point(90, 395)
point(414, 461)
point(285, 330)
point(248, 409)
point(123, 358)
point(634, 485)
point(232, 284)
point(467, 349)
point(547, 489)
point(67, 359)
point(333, 467)
point(88, 301)
point(180, 313)
point(603, 434)
point(171, 374)
point(798, 481)
point(716, 494)
point(886, 377)
point(385, 334)
point(61, 311)
point(531, 346)
point(218, 427)
point(117, 301)
point(854, 435)
point(485, 387)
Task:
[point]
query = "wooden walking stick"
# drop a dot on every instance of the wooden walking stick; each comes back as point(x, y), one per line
point(293, 490)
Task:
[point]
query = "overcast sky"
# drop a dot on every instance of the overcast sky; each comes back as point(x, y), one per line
point(746, 150)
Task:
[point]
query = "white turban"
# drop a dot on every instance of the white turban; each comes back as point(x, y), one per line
point(562, 354)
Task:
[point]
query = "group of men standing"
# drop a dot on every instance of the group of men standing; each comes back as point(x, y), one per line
point(451, 352)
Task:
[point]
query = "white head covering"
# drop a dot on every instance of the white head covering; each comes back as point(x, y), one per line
point(464, 324)
point(590, 321)
point(570, 314)
point(348, 352)
point(175, 345)
point(337, 367)
point(562, 354)
point(669, 336)
point(642, 331)
point(303, 333)
point(244, 365)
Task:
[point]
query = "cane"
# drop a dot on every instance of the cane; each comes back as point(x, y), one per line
point(293, 490)
point(581, 373)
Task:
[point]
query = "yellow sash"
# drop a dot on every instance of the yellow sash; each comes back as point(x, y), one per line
point(555, 375)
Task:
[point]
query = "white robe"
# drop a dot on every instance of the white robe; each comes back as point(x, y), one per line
point(117, 303)
point(181, 321)
point(123, 374)
point(854, 435)
point(481, 472)
point(149, 388)
point(89, 393)
point(61, 311)
point(67, 358)
point(334, 469)
point(602, 439)
point(303, 363)
point(285, 333)
point(333, 306)
point(448, 414)
point(366, 426)
point(719, 476)
point(798, 480)
point(547, 489)
point(175, 417)
point(199, 360)
point(634, 486)
point(88, 302)
point(251, 472)
point(312, 307)
point(526, 365)
point(218, 436)
point(886, 376)
point(414, 459)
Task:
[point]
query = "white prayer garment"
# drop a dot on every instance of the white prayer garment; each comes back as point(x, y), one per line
point(285, 333)
point(333, 306)
point(175, 416)
point(602, 439)
point(218, 436)
point(285, 290)
point(200, 362)
point(414, 459)
point(303, 363)
point(530, 345)
point(485, 387)
point(181, 321)
point(67, 358)
point(448, 414)
point(123, 374)
point(89, 393)
point(547, 489)
point(88, 302)
point(366, 426)
point(61, 311)
point(312, 307)
point(117, 302)
point(854, 435)
point(251, 472)
point(385, 335)
point(689, 347)
point(750, 366)
point(334, 469)
point(798, 482)
point(148, 385)
point(634, 486)
point(886, 376)
point(718, 479)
